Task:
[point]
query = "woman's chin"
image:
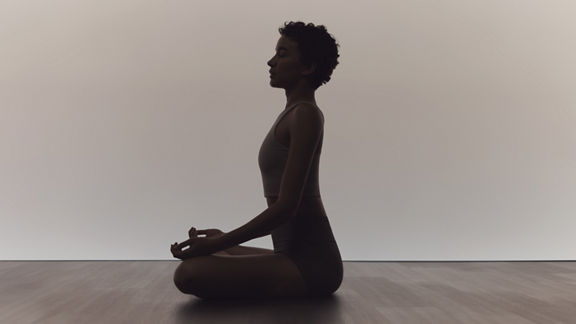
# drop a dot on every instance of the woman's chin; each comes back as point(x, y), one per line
point(274, 84)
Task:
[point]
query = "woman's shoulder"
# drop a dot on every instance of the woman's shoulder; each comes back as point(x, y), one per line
point(306, 110)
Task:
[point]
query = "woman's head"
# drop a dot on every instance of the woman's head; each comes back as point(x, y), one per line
point(317, 50)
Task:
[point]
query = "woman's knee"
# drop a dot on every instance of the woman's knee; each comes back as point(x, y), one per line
point(180, 277)
point(185, 276)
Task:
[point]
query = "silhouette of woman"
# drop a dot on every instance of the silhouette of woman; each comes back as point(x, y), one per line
point(306, 261)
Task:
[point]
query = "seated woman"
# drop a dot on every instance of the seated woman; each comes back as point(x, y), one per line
point(306, 260)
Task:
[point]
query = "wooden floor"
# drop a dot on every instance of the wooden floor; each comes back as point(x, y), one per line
point(372, 292)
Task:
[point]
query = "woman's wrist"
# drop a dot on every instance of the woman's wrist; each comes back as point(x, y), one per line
point(223, 244)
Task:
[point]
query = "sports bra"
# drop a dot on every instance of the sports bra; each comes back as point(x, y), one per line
point(272, 159)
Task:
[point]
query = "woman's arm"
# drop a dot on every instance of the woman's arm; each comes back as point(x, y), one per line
point(247, 250)
point(305, 127)
point(259, 226)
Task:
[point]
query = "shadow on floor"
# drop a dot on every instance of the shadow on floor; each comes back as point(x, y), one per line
point(302, 310)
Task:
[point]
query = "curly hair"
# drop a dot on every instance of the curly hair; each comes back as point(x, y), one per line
point(316, 46)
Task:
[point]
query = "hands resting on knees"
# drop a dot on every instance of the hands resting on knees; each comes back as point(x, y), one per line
point(198, 246)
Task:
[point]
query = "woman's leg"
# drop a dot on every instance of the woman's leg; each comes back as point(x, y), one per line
point(247, 250)
point(243, 250)
point(239, 276)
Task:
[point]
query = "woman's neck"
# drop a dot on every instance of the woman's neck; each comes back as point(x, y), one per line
point(300, 94)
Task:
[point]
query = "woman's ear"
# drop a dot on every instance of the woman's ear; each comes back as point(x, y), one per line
point(309, 69)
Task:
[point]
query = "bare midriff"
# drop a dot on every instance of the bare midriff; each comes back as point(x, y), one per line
point(308, 205)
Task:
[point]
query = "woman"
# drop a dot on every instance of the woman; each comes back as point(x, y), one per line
point(306, 260)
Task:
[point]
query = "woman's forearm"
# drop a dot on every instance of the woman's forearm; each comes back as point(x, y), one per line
point(246, 250)
point(259, 226)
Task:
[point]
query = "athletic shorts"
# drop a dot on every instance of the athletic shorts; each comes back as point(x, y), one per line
point(321, 267)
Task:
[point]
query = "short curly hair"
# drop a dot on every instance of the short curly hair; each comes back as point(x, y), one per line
point(316, 46)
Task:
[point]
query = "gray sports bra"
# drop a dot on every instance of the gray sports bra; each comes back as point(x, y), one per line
point(272, 159)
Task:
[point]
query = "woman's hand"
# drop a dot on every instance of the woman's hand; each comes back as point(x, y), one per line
point(212, 232)
point(198, 246)
point(194, 247)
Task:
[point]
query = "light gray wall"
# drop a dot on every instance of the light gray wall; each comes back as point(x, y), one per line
point(450, 126)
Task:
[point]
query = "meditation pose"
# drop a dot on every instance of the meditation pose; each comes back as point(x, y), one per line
point(306, 261)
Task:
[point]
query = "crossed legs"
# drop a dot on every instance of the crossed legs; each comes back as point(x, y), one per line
point(264, 275)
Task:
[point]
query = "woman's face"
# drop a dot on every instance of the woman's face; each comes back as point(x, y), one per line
point(286, 70)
